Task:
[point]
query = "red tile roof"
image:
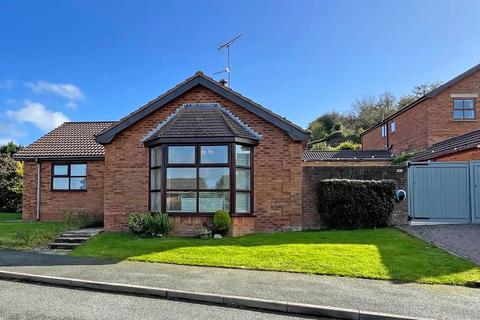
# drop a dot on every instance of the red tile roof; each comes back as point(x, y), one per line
point(69, 140)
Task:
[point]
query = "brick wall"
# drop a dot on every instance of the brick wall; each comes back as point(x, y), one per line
point(468, 155)
point(312, 175)
point(53, 202)
point(277, 170)
point(428, 122)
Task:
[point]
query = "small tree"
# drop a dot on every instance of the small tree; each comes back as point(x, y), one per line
point(10, 148)
point(11, 187)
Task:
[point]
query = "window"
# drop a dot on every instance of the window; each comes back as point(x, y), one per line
point(463, 109)
point(156, 180)
point(71, 176)
point(243, 179)
point(393, 126)
point(384, 130)
point(200, 178)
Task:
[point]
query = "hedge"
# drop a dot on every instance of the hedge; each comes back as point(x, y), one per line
point(354, 204)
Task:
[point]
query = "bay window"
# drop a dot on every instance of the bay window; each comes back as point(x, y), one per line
point(200, 178)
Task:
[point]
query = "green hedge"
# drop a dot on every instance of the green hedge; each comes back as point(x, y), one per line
point(353, 204)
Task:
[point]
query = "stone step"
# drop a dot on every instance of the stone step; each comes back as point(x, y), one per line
point(63, 245)
point(63, 239)
point(81, 235)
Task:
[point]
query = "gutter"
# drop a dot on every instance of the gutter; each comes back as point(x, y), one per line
point(38, 167)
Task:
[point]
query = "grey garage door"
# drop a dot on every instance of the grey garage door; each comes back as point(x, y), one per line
point(445, 191)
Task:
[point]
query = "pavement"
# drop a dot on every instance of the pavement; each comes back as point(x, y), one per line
point(462, 240)
point(427, 301)
point(29, 301)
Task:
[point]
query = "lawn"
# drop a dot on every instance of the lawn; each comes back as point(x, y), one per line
point(10, 216)
point(378, 254)
point(26, 235)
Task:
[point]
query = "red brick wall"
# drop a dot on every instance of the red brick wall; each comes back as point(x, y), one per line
point(410, 133)
point(277, 170)
point(428, 122)
point(468, 155)
point(53, 202)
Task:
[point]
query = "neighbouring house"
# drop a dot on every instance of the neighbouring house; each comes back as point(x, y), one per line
point(197, 148)
point(448, 111)
point(324, 158)
point(462, 148)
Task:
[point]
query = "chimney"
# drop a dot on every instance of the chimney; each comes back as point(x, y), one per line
point(223, 82)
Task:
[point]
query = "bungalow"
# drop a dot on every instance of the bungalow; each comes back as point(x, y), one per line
point(195, 149)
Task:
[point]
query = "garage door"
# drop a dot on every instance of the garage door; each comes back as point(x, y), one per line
point(445, 191)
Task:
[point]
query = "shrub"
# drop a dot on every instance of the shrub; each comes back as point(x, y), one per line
point(11, 186)
point(347, 145)
point(136, 222)
point(353, 204)
point(158, 224)
point(81, 220)
point(222, 223)
point(404, 157)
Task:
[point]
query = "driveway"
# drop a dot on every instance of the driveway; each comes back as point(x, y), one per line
point(460, 239)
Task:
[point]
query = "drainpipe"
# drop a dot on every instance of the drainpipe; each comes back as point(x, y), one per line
point(37, 163)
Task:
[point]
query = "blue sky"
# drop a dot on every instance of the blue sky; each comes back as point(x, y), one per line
point(100, 60)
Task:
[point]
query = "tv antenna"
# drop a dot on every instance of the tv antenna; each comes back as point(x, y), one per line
point(228, 70)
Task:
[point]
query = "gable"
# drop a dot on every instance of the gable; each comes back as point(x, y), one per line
point(458, 79)
point(295, 132)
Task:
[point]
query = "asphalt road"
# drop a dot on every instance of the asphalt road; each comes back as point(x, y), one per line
point(30, 301)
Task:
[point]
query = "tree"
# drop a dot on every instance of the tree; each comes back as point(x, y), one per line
point(417, 92)
point(11, 186)
point(10, 148)
point(424, 88)
point(369, 110)
point(331, 129)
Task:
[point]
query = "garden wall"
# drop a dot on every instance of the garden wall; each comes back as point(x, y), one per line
point(311, 175)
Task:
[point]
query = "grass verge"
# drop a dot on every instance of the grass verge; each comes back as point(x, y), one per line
point(10, 216)
point(377, 254)
point(27, 235)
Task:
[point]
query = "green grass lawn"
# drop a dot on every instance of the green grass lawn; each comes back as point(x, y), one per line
point(378, 254)
point(26, 235)
point(10, 216)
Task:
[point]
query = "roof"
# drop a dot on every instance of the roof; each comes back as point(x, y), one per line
point(431, 94)
point(346, 155)
point(464, 142)
point(202, 120)
point(295, 132)
point(69, 140)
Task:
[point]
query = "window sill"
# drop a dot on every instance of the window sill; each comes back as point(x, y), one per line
point(189, 214)
point(67, 190)
point(464, 120)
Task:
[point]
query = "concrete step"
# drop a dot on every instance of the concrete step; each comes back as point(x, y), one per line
point(75, 235)
point(63, 239)
point(64, 245)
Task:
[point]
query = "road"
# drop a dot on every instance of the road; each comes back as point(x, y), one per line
point(30, 301)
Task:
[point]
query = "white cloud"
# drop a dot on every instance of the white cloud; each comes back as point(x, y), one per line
point(6, 85)
point(65, 90)
point(71, 105)
point(6, 140)
point(37, 114)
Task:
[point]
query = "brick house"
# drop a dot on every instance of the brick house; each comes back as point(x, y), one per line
point(448, 111)
point(197, 148)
